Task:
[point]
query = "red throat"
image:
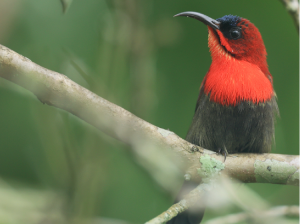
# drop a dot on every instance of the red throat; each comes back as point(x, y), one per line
point(231, 80)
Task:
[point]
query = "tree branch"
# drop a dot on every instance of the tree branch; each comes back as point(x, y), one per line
point(57, 90)
point(189, 200)
point(146, 140)
point(292, 6)
point(274, 212)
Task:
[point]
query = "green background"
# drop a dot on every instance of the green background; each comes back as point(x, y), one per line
point(135, 54)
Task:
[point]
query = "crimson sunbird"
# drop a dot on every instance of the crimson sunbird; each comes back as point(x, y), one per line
point(236, 107)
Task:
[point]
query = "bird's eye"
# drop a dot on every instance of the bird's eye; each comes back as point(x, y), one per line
point(235, 33)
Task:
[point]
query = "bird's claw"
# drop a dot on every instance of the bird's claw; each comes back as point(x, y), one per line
point(223, 151)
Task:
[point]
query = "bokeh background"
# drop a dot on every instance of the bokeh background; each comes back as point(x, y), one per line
point(135, 54)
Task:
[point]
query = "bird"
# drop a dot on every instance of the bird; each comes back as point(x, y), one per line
point(237, 106)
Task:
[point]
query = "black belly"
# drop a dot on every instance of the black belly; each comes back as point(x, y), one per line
point(246, 127)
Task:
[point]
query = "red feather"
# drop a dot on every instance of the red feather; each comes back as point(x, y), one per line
point(238, 71)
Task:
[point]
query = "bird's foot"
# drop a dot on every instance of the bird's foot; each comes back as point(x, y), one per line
point(223, 151)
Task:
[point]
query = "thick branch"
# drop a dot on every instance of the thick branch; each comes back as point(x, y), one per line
point(292, 6)
point(59, 91)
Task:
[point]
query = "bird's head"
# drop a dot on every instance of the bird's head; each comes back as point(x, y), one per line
point(234, 37)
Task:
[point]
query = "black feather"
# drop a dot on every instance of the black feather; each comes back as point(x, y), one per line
point(244, 128)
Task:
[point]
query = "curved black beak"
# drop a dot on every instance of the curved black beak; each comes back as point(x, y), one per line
point(201, 17)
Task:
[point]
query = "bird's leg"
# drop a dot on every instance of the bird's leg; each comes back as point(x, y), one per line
point(223, 151)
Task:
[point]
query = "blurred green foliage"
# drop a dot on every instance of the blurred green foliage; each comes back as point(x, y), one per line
point(135, 54)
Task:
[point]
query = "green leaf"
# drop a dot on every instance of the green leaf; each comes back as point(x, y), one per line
point(66, 4)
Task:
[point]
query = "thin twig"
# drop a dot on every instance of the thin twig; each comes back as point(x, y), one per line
point(292, 6)
point(189, 200)
point(263, 215)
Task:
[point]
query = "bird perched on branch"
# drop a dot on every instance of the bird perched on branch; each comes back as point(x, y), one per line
point(236, 107)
